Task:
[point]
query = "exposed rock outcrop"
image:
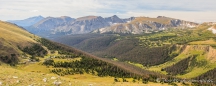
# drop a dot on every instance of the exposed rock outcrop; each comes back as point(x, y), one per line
point(145, 25)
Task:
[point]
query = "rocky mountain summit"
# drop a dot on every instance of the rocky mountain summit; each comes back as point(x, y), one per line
point(96, 24)
point(66, 25)
point(47, 24)
point(27, 22)
point(87, 24)
point(146, 25)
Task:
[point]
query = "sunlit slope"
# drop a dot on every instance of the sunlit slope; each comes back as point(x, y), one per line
point(29, 56)
point(13, 77)
point(192, 62)
point(12, 40)
point(13, 34)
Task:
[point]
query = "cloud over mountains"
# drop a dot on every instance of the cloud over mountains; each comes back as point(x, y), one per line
point(20, 9)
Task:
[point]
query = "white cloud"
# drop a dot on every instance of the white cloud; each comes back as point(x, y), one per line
point(34, 11)
point(183, 9)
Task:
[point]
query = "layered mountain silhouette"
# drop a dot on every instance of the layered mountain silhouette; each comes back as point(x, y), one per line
point(48, 24)
point(27, 22)
point(96, 24)
point(146, 25)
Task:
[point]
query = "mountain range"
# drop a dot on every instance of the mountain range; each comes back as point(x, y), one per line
point(147, 25)
point(87, 24)
point(27, 59)
point(47, 24)
point(96, 24)
point(27, 22)
point(163, 47)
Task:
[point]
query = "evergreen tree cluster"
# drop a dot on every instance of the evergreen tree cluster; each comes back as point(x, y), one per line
point(62, 49)
point(207, 78)
point(92, 65)
point(67, 56)
point(35, 50)
point(149, 56)
point(87, 65)
point(10, 59)
point(179, 68)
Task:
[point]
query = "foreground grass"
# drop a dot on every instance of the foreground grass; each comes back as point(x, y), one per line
point(34, 73)
point(13, 77)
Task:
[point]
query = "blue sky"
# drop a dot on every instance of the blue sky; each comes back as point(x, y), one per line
point(191, 10)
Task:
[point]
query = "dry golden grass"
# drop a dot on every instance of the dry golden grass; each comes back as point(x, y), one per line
point(15, 35)
point(141, 19)
point(207, 42)
point(13, 77)
point(37, 69)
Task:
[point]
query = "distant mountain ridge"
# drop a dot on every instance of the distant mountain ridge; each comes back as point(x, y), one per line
point(96, 24)
point(146, 25)
point(48, 23)
point(27, 22)
point(66, 25)
point(87, 24)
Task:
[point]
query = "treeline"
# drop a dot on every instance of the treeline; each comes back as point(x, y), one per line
point(127, 49)
point(177, 36)
point(150, 56)
point(88, 65)
point(185, 65)
point(62, 49)
point(34, 50)
point(11, 59)
point(206, 78)
point(178, 68)
point(94, 65)
point(99, 68)
point(67, 56)
point(96, 44)
point(77, 38)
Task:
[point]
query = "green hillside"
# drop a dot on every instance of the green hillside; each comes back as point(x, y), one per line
point(30, 60)
point(184, 53)
point(11, 37)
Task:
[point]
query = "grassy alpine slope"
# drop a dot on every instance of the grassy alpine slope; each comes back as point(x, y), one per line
point(26, 59)
point(184, 53)
point(194, 53)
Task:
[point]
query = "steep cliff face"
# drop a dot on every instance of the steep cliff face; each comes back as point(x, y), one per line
point(66, 25)
point(97, 24)
point(81, 25)
point(145, 25)
point(88, 24)
point(27, 22)
point(47, 24)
